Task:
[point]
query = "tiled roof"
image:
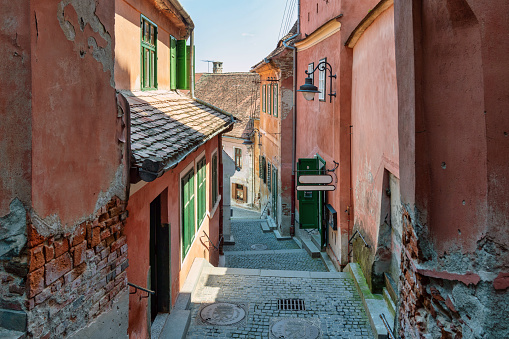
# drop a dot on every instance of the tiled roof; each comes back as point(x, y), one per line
point(280, 46)
point(166, 125)
point(235, 93)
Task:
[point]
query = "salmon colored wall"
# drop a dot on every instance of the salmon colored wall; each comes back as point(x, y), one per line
point(138, 235)
point(127, 48)
point(74, 113)
point(374, 120)
point(324, 127)
point(15, 104)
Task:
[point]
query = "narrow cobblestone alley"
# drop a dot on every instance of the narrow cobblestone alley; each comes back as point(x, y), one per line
point(246, 298)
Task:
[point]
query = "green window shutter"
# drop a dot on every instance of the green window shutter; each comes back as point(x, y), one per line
point(269, 178)
point(202, 190)
point(214, 180)
point(264, 171)
point(269, 99)
point(188, 228)
point(260, 172)
point(182, 69)
point(275, 100)
point(263, 98)
point(173, 63)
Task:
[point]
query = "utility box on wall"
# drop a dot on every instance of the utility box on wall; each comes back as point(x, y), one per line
point(331, 217)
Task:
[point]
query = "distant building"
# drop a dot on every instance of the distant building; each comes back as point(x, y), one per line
point(276, 127)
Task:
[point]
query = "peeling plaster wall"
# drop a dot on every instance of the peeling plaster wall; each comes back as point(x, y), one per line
point(453, 150)
point(74, 113)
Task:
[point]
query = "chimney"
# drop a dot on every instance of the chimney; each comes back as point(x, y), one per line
point(217, 67)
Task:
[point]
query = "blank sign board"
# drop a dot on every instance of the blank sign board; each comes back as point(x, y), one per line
point(315, 179)
point(316, 188)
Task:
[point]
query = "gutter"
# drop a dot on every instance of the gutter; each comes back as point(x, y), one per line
point(183, 13)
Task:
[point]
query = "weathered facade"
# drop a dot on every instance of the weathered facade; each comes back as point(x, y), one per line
point(63, 169)
point(276, 130)
point(418, 129)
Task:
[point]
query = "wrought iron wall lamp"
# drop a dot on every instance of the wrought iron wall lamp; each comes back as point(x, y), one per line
point(249, 142)
point(309, 90)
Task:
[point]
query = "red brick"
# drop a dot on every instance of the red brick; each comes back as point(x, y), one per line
point(79, 253)
point(75, 273)
point(49, 252)
point(110, 240)
point(61, 247)
point(103, 217)
point(79, 234)
point(95, 237)
point(57, 268)
point(35, 282)
point(36, 258)
point(116, 228)
point(501, 282)
point(104, 234)
point(116, 211)
point(111, 221)
point(34, 238)
point(117, 244)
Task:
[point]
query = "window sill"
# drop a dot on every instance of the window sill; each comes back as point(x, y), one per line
point(213, 212)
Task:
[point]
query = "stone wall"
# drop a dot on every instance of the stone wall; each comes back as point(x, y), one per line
point(73, 278)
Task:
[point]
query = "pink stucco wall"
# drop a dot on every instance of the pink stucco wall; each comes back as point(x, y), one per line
point(374, 120)
point(138, 234)
point(74, 115)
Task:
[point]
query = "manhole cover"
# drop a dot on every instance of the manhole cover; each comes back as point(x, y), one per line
point(222, 314)
point(259, 247)
point(294, 328)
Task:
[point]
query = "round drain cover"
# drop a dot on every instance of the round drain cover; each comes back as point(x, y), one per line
point(294, 328)
point(258, 247)
point(222, 314)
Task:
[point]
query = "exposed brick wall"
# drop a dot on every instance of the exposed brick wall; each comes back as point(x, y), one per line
point(75, 277)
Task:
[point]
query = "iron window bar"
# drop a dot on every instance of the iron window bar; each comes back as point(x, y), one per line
point(136, 288)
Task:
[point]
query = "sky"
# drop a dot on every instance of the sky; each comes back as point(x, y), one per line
point(240, 33)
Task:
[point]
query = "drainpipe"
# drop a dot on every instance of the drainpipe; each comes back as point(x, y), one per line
point(294, 122)
point(191, 61)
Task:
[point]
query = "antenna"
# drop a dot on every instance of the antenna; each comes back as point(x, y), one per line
point(208, 64)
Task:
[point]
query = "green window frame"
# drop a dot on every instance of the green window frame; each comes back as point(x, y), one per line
point(269, 99)
point(201, 190)
point(215, 183)
point(275, 100)
point(188, 199)
point(173, 63)
point(269, 177)
point(264, 98)
point(148, 39)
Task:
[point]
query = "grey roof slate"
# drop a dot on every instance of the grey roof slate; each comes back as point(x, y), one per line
point(165, 125)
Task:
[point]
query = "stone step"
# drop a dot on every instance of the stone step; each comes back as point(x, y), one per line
point(276, 273)
point(316, 239)
point(374, 305)
point(158, 324)
point(271, 223)
point(310, 247)
point(11, 334)
point(279, 236)
point(326, 260)
point(389, 302)
point(265, 227)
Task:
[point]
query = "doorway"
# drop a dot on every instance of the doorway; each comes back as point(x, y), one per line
point(159, 250)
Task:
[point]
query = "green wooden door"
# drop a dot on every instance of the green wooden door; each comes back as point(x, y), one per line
point(187, 212)
point(274, 192)
point(308, 200)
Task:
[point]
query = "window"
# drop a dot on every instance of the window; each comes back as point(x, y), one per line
point(269, 178)
point(264, 98)
point(260, 167)
point(264, 169)
point(321, 81)
point(188, 227)
point(215, 183)
point(269, 99)
point(173, 63)
point(275, 100)
point(201, 178)
point(238, 158)
point(148, 54)
point(311, 66)
point(240, 192)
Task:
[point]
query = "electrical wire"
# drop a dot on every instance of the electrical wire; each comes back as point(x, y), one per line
point(282, 20)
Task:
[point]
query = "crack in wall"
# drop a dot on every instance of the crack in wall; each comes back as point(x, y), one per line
point(85, 10)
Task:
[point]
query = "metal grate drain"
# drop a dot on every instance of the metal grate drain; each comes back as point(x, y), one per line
point(291, 305)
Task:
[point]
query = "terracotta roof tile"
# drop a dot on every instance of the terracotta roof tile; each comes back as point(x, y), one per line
point(166, 125)
point(235, 93)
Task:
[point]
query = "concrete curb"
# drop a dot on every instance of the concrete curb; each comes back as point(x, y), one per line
point(374, 305)
point(178, 320)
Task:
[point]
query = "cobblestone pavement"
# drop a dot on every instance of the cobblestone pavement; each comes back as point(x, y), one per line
point(278, 254)
point(331, 304)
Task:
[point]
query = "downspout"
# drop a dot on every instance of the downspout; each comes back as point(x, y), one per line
point(294, 121)
point(191, 61)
